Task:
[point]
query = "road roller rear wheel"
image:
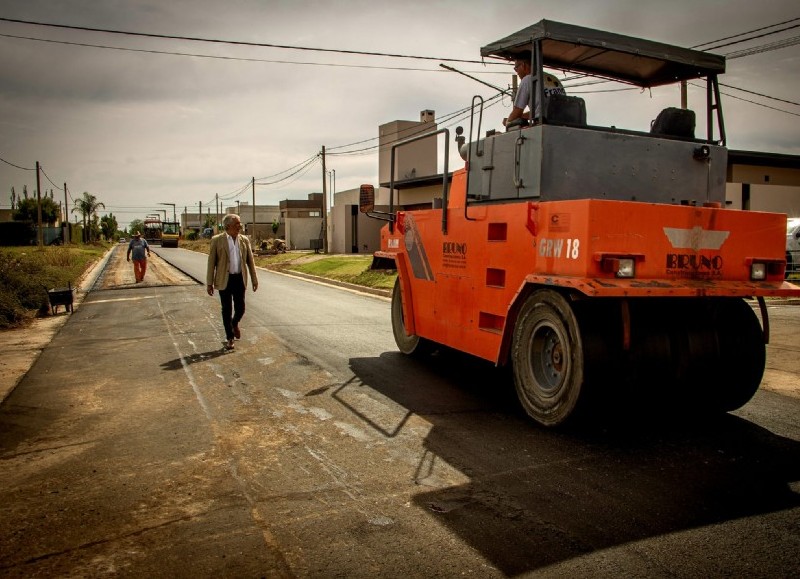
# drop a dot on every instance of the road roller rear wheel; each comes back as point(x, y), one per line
point(742, 354)
point(547, 358)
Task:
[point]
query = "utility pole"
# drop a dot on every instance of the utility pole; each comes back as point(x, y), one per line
point(66, 216)
point(253, 233)
point(39, 206)
point(216, 206)
point(200, 218)
point(324, 206)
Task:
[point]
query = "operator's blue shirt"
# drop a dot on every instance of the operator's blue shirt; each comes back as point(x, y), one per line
point(138, 248)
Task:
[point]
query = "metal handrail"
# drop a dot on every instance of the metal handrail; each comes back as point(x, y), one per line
point(478, 152)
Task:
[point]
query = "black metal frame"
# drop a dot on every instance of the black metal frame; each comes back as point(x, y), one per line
point(391, 215)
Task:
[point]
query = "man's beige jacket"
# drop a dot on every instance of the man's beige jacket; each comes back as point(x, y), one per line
point(217, 273)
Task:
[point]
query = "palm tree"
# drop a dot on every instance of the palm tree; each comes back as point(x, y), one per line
point(87, 206)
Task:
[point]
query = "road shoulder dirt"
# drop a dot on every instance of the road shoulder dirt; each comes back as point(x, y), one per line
point(21, 347)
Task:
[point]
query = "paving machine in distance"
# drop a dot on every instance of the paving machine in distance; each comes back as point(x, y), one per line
point(170, 233)
point(593, 260)
point(152, 230)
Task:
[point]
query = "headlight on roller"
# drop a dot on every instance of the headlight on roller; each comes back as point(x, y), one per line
point(758, 271)
point(623, 267)
point(626, 267)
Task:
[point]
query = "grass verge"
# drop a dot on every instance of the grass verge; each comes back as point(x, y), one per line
point(26, 273)
point(350, 269)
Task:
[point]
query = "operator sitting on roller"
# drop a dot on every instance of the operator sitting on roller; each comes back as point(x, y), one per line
point(522, 67)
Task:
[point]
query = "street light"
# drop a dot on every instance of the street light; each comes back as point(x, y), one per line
point(174, 215)
point(164, 211)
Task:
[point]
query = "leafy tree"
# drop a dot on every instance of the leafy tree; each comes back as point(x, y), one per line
point(94, 228)
point(136, 225)
point(210, 221)
point(13, 198)
point(27, 210)
point(275, 226)
point(87, 206)
point(108, 224)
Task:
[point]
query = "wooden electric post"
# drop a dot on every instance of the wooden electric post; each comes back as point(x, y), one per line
point(324, 206)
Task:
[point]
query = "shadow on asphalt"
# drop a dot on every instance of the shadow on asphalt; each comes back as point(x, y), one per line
point(178, 363)
point(540, 496)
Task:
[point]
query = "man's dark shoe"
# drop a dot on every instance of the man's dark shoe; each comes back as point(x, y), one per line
point(236, 333)
point(229, 345)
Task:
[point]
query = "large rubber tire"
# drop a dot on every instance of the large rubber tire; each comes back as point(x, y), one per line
point(547, 358)
point(742, 354)
point(411, 345)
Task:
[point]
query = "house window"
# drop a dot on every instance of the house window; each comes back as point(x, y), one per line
point(313, 214)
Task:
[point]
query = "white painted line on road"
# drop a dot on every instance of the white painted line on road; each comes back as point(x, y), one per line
point(188, 371)
point(119, 300)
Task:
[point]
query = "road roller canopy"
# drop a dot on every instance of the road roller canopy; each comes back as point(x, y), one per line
point(632, 60)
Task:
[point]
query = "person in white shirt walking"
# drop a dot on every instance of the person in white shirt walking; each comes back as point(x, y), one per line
point(230, 258)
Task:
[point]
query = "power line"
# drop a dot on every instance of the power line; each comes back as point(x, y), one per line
point(309, 163)
point(444, 122)
point(236, 193)
point(750, 101)
point(785, 43)
point(297, 174)
point(413, 130)
point(759, 94)
point(236, 58)
point(745, 33)
point(237, 42)
point(49, 179)
point(289, 169)
point(761, 104)
point(17, 166)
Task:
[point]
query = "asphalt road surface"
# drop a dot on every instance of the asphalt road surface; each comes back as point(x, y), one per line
point(136, 447)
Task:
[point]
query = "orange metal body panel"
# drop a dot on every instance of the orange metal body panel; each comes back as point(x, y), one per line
point(464, 285)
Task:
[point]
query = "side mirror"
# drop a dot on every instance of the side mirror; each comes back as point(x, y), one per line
point(366, 199)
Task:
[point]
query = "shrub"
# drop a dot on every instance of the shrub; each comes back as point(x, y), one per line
point(27, 273)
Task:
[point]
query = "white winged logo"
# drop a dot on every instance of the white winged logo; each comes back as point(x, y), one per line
point(695, 238)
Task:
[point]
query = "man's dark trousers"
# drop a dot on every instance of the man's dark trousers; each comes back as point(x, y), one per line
point(233, 295)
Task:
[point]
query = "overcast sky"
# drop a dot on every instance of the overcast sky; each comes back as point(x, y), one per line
point(138, 128)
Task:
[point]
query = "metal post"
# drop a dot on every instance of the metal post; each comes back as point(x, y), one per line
point(40, 235)
point(253, 233)
point(684, 96)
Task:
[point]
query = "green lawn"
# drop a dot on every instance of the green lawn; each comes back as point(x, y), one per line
point(351, 269)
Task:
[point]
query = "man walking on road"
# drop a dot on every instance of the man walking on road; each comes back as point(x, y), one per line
point(138, 247)
point(229, 259)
